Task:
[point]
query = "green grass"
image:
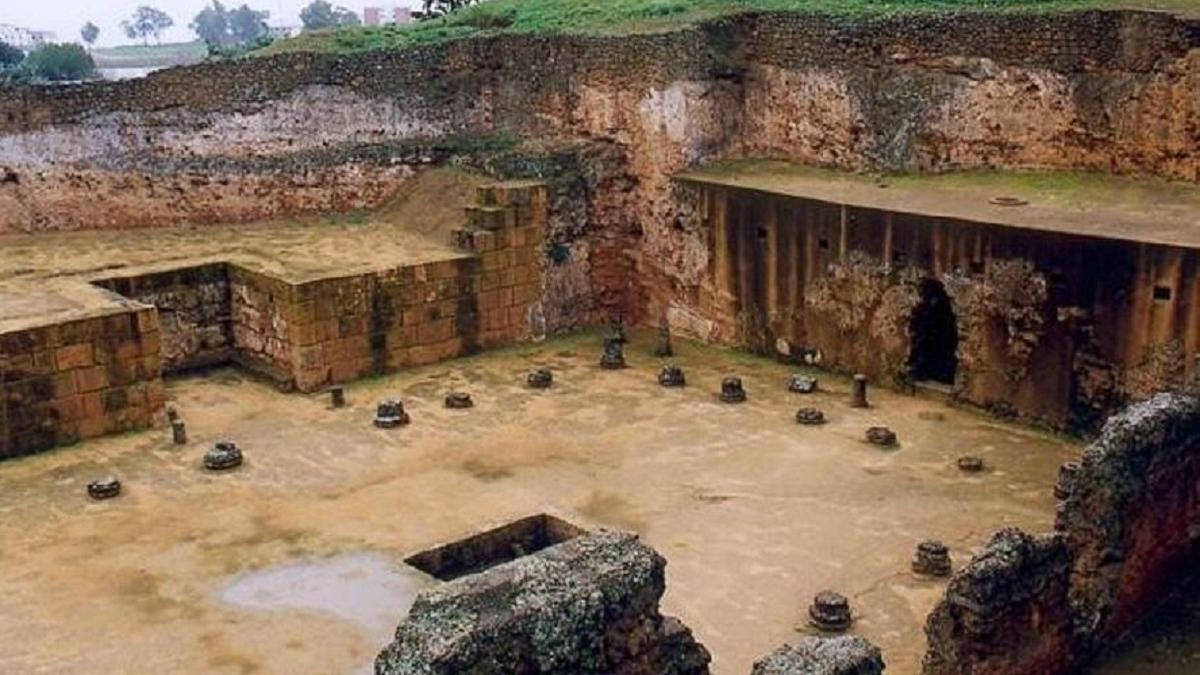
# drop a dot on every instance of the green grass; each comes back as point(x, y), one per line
point(607, 17)
point(146, 56)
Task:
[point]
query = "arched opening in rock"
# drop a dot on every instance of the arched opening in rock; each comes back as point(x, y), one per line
point(934, 332)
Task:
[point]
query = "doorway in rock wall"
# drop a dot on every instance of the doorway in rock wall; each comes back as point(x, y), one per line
point(934, 336)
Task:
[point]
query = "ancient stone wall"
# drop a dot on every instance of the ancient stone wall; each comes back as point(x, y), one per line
point(1056, 328)
point(589, 605)
point(193, 307)
point(80, 379)
point(1128, 526)
point(259, 324)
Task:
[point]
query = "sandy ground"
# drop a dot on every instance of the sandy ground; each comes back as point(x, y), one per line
point(44, 277)
point(754, 513)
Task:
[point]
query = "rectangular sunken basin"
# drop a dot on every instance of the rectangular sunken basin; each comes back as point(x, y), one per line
point(485, 550)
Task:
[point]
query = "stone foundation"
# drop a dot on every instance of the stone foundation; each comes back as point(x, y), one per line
point(80, 379)
point(589, 605)
point(69, 381)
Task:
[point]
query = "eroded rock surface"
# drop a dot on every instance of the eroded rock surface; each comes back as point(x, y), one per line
point(1005, 612)
point(843, 655)
point(589, 605)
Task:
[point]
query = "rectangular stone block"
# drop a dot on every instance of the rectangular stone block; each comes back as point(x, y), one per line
point(74, 356)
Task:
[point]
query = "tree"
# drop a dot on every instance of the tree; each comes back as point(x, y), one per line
point(89, 33)
point(147, 21)
point(60, 62)
point(9, 55)
point(247, 26)
point(212, 24)
point(319, 14)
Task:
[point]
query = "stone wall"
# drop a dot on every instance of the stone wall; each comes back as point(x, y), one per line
point(193, 305)
point(260, 332)
point(239, 141)
point(1129, 525)
point(1056, 328)
point(80, 379)
point(589, 605)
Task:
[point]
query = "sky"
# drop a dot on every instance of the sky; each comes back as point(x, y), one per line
point(66, 17)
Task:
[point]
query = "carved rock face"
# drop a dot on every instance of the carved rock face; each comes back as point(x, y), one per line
point(613, 357)
point(459, 400)
point(223, 456)
point(390, 414)
point(810, 416)
point(732, 390)
point(881, 436)
point(541, 378)
point(970, 464)
point(830, 611)
point(932, 559)
point(104, 488)
point(802, 384)
point(671, 376)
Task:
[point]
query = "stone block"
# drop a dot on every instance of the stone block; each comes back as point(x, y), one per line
point(841, 655)
point(74, 356)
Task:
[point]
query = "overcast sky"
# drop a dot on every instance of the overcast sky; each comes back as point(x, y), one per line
point(65, 17)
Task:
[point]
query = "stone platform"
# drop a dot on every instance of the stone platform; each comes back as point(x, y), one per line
point(90, 321)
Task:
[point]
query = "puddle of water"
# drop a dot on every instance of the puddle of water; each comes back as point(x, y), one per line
point(368, 589)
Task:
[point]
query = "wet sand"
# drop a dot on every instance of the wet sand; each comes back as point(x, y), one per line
point(754, 513)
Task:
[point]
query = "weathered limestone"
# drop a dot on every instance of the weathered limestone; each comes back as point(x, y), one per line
point(541, 378)
point(1064, 485)
point(613, 357)
point(830, 611)
point(1131, 518)
point(1005, 612)
point(459, 400)
point(223, 456)
point(672, 376)
point(589, 605)
point(881, 436)
point(970, 464)
point(858, 395)
point(178, 432)
point(802, 384)
point(810, 416)
point(932, 559)
point(1125, 529)
point(662, 345)
point(732, 390)
point(104, 488)
point(840, 655)
point(390, 414)
point(337, 397)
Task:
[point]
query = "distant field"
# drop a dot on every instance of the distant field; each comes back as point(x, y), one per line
point(150, 56)
point(636, 16)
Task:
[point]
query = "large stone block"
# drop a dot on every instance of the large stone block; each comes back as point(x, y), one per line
point(589, 605)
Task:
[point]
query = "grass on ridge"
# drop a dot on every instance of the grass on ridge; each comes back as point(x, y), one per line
point(599, 17)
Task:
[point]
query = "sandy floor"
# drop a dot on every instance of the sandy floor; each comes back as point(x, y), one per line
point(754, 513)
point(44, 277)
